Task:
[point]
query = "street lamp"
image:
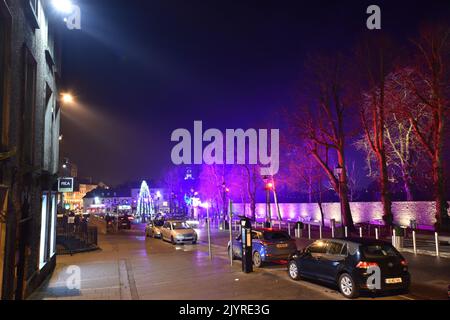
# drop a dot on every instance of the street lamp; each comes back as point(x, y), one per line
point(339, 172)
point(63, 6)
point(67, 98)
point(268, 187)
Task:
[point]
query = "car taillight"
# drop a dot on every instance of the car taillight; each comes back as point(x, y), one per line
point(366, 265)
point(130, 218)
point(404, 263)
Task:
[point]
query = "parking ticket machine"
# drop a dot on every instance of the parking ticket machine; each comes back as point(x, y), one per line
point(246, 235)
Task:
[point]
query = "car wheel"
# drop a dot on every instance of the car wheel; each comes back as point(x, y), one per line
point(293, 270)
point(347, 286)
point(172, 240)
point(257, 260)
point(194, 242)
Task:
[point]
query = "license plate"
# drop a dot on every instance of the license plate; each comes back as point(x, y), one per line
point(284, 245)
point(393, 280)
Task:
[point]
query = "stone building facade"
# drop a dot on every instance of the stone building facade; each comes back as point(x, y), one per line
point(30, 120)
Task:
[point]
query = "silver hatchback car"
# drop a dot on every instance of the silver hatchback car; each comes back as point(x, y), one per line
point(153, 229)
point(178, 232)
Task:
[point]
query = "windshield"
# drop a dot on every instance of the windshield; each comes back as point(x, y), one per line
point(180, 225)
point(379, 251)
point(276, 236)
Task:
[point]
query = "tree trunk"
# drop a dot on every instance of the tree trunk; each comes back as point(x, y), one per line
point(442, 218)
point(343, 192)
point(407, 186)
point(388, 218)
point(253, 209)
point(345, 203)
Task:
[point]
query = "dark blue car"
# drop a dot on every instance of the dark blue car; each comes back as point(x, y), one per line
point(268, 245)
point(352, 264)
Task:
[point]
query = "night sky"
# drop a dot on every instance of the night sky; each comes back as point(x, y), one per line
point(143, 68)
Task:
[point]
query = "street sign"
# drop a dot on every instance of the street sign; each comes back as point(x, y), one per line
point(65, 185)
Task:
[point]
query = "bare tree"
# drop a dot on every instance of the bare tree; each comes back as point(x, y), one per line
point(403, 151)
point(375, 64)
point(323, 130)
point(430, 84)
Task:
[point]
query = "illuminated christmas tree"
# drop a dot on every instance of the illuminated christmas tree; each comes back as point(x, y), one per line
point(145, 206)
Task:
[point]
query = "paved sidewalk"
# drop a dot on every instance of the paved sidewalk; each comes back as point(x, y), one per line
point(132, 267)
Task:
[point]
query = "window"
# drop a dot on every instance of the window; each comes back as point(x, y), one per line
point(44, 227)
point(32, 13)
point(318, 247)
point(379, 251)
point(335, 248)
point(28, 108)
point(276, 236)
point(35, 6)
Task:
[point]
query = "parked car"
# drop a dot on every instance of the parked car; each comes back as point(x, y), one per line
point(124, 222)
point(267, 245)
point(346, 263)
point(153, 228)
point(178, 232)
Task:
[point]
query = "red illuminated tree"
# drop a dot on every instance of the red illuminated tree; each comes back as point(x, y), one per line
point(429, 81)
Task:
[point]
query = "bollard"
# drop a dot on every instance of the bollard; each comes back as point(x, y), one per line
point(360, 232)
point(376, 233)
point(346, 231)
point(320, 231)
point(279, 224)
point(289, 228)
point(309, 231)
point(414, 241)
point(299, 235)
point(332, 231)
point(436, 239)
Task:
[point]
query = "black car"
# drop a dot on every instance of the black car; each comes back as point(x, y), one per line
point(353, 264)
point(124, 222)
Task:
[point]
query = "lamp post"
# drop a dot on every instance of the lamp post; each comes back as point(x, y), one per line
point(339, 172)
point(225, 191)
point(268, 188)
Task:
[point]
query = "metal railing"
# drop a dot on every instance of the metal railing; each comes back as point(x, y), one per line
point(74, 238)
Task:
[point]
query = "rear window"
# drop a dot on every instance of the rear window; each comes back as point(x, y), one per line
point(379, 251)
point(275, 236)
point(159, 223)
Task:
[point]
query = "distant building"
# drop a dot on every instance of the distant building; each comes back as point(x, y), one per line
point(29, 152)
point(108, 201)
point(74, 200)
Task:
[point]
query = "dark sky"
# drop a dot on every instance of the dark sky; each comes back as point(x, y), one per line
point(143, 68)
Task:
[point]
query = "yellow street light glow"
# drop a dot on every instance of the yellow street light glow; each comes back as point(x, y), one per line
point(67, 98)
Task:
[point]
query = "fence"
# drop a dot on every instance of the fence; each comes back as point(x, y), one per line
point(75, 238)
point(411, 240)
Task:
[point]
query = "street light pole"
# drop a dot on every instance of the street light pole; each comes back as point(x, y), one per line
point(268, 187)
point(339, 171)
point(209, 231)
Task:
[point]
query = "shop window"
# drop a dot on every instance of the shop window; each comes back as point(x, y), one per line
point(53, 214)
point(44, 231)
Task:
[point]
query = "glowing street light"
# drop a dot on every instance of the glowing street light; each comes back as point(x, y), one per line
point(67, 98)
point(63, 6)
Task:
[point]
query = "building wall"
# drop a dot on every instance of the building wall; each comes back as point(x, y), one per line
point(31, 118)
